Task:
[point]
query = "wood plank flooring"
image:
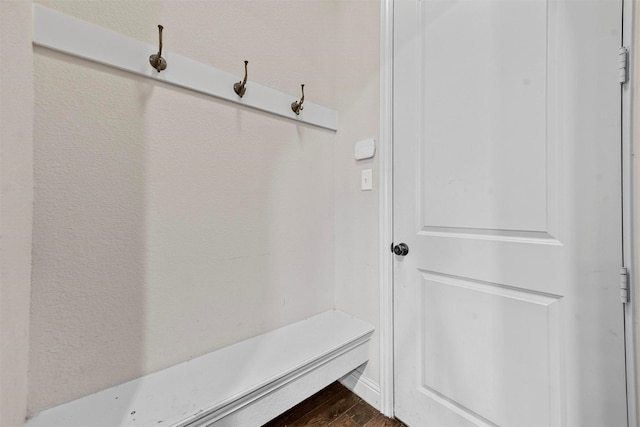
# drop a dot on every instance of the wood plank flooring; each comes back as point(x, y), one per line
point(334, 406)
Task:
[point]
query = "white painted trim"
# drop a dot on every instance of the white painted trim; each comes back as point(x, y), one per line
point(247, 383)
point(63, 33)
point(386, 208)
point(367, 389)
point(630, 214)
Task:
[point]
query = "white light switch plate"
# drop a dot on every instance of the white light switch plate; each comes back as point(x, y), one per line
point(367, 178)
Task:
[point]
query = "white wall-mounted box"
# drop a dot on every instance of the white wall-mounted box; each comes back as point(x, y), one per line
point(365, 149)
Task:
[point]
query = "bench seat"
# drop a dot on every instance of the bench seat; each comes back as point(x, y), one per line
point(243, 385)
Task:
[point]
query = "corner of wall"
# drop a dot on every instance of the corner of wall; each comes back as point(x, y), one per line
point(367, 389)
point(356, 211)
point(16, 206)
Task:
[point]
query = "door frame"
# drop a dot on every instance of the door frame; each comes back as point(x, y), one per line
point(385, 163)
point(630, 196)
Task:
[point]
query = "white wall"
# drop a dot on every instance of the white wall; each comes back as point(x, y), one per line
point(16, 201)
point(168, 224)
point(356, 211)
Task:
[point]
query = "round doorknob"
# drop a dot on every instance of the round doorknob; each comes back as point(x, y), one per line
point(402, 249)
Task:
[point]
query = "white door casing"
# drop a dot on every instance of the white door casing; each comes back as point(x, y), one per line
point(507, 190)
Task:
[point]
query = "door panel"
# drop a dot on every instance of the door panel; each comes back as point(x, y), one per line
point(507, 191)
point(464, 322)
point(483, 115)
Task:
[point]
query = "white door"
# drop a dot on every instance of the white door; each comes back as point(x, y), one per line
point(507, 191)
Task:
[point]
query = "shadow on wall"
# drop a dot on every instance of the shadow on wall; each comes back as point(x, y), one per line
point(87, 317)
point(166, 226)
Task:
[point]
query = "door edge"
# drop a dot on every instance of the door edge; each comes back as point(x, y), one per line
point(386, 209)
point(630, 134)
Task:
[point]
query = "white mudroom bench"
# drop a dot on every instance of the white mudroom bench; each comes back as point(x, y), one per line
point(243, 385)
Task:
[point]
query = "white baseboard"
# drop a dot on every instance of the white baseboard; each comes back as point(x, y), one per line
point(367, 389)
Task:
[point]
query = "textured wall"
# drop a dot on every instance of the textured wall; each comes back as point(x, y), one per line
point(169, 224)
point(16, 204)
point(136, 267)
point(356, 211)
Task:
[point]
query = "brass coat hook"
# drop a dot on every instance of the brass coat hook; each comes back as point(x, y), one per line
point(156, 60)
point(239, 87)
point(296, 106)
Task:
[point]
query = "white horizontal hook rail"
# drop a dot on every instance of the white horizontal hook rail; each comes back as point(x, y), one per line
point(64, 33)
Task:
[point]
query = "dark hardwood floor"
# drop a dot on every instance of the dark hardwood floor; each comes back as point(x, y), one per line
point(333, 406)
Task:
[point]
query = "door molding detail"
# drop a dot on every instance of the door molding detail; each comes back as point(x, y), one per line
point(386, 208)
